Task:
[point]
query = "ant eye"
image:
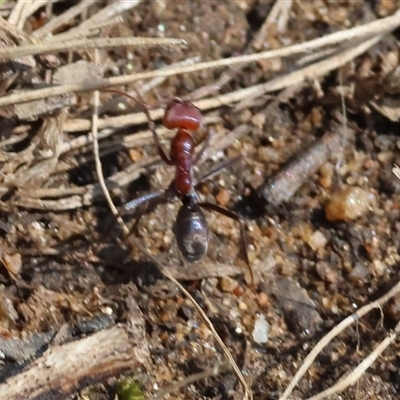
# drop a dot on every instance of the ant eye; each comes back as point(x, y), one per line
point(182, 114)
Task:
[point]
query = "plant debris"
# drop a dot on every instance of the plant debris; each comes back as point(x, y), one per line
point(301, 99)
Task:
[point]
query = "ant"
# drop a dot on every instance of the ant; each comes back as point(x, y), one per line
point(191, 228)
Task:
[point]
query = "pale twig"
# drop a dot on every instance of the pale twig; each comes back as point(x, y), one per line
point(383, 25)
point(121, 121)
point(357, 372)
point(60, 20)
point(296, 77)
point(105, 14)
point(333, 333)
point(12, 30)
point(310, 72)
point(88, 195)
point(15, 12)
point(287, 181)
point(396, 171)
point(279, 14)
point(283, 185)
point(228, 75)
point(146, 87)
point(99, 169)
point(9, 53)
point(284, 15)
point(24, 9)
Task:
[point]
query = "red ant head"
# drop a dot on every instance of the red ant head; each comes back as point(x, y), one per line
point(182, 113)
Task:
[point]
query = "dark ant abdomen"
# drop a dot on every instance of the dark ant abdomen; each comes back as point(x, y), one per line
point(191, 232)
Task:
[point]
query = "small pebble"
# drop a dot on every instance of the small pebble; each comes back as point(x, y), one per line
point(7, 309)
point(263, 300)
point(258, 120)
point(223, 197)
point(326, 175)
point(261, 330)
point(326, 272)
point(227, 284)
point(135, 155)
point(359, 272)
point(378, 268)
point(348, 204)
point(268, 154)
point(13, 263)
point(317, 240)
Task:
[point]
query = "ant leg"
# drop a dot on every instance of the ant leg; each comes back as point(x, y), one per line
point(152, 127)
point(151, 124)
point(243, 236)
point(206, 142)
point(132, 205)
point(148, 202)
point(142, 210)
point(156, 138)
point(217, 169)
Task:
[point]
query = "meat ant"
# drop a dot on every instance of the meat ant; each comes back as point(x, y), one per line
point(191, 229)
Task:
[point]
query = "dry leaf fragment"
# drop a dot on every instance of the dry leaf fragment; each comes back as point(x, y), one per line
point(389, 107)
point(78, 72)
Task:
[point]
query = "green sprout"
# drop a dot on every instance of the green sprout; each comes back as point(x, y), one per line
point(129, 389)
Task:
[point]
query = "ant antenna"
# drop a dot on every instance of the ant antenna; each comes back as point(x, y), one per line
point(151, 124)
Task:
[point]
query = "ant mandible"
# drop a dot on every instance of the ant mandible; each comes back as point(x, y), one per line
point(191, 228)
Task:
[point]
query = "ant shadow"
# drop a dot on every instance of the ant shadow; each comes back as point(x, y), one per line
point(251, 206)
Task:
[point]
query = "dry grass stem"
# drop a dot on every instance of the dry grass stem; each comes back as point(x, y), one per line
point(333, 333)
point(396, 171)
point(99, 169)
point(356, 374)
point(59, 21)
point(133, 140)
point(9, 53)
point(282, 186)
point(310, 72)
point(103, 16)
point(279, 14)
point(146, 87)
point(12, 30)
point(122, 121)
point(227, 76)
point(23, 10)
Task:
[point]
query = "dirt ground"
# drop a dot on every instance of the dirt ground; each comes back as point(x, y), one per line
point(314, 186)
